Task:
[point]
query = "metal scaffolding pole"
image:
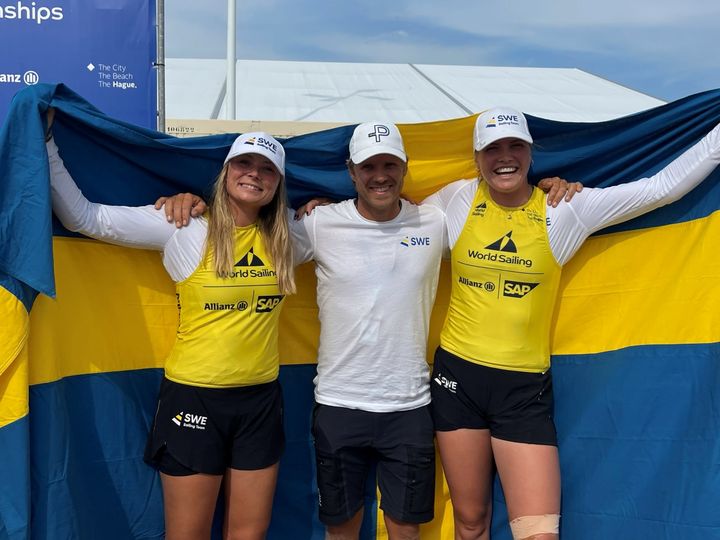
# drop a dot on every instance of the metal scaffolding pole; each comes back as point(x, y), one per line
point(230, 78)
point(160, 62)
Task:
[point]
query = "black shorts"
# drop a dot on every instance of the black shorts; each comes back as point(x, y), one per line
point(515, 406)
point(349, 442)
point(208, 430)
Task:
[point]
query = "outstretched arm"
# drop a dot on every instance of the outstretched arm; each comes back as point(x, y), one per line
point(600, 208)
point(597, 208)
point(181, 207)
point(141, 227)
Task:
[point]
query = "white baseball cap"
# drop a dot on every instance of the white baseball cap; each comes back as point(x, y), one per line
point(372, 138)
point(259, 142)
point(500, 123)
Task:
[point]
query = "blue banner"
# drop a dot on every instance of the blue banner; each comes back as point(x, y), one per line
point(104, 49)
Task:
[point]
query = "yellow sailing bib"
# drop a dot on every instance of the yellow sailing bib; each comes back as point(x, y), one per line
point(504, 285)
point(228, 329)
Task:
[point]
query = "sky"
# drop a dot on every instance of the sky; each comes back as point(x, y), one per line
point(665, 49)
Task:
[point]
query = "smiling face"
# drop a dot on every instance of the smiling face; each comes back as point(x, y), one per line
point(378, 181)
point(251, 182)
point(504, 165)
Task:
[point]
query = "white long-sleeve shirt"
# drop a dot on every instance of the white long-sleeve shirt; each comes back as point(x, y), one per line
point(131, 226)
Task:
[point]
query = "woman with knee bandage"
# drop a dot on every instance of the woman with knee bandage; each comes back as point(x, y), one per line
point(491, 383)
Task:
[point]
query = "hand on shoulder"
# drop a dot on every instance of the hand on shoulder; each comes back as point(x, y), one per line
point(181, 207)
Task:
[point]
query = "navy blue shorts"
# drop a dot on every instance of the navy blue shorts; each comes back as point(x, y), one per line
point(349, 442)
point(515, 406)
point(208, 430)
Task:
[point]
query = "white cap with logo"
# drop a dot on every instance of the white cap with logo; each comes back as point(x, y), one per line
point(372, 138)
point(259, 142)
point(500, 123)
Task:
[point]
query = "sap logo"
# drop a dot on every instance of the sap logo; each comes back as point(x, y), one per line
point(510, 118)
point(446, 383)
point(517, 289)
point(189, 420)
point(268, 303)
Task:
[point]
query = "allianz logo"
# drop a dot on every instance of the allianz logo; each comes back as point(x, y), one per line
point(29, 78)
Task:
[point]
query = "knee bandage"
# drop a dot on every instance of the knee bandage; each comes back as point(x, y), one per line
point(528, 526)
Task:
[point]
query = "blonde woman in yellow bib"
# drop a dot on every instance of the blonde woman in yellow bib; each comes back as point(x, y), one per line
point(219, 416)
point(491, 383)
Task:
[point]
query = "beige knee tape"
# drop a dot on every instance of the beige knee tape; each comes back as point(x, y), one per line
point(527, 526)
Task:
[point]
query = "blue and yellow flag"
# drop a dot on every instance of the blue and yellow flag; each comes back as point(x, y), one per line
point(636, 335)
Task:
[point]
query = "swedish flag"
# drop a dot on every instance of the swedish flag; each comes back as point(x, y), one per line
point(636, 336)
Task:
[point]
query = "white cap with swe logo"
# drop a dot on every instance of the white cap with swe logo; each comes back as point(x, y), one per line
point(500, 123)
point(259, 142)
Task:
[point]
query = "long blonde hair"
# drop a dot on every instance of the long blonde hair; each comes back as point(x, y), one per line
point(272, 222)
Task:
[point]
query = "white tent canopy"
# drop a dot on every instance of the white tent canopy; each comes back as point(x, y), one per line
point(336, 92)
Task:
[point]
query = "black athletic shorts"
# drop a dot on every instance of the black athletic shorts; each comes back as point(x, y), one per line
point(208, 430)
point(348, 442)
point(515, 406)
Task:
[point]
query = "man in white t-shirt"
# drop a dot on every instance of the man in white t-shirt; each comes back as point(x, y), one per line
point(377, 263)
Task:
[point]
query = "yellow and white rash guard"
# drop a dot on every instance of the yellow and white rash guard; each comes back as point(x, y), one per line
point(506, 261)
point(228, 329)
point(504, 283)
